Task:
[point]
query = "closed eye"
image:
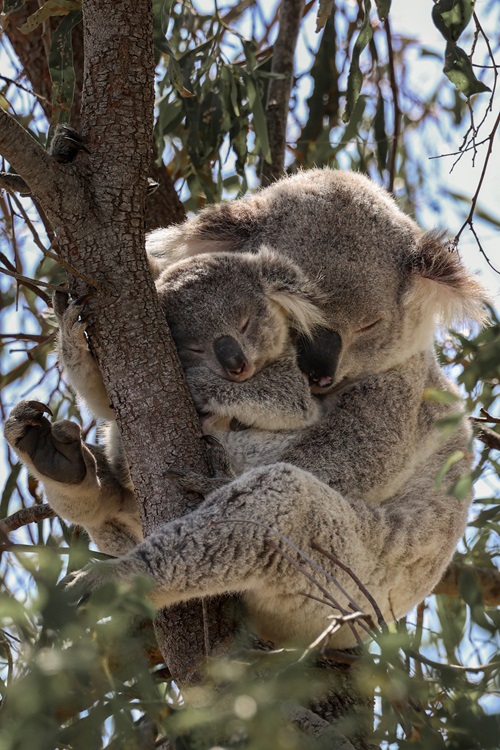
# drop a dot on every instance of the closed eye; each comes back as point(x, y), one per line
point(193, 349)
point(244, 325)
point(368, 326)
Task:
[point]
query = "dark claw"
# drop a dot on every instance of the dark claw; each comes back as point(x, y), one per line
point(66, 144)
point(212, 441)
point(42, 408)
point(152, 185)
point(60, 302)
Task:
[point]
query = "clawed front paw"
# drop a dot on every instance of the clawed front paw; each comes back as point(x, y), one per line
point(221, 472)
point(54, 450)
point(72, 324)
point(80, 585)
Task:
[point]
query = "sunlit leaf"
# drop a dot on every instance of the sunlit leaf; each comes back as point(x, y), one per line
point(49, 9)
point(450, 461)
point(440, 397)
point(324, 12)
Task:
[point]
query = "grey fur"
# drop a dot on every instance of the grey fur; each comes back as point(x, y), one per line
point(361, 483)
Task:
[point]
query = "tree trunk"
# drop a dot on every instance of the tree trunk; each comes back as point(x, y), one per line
point(97, 208)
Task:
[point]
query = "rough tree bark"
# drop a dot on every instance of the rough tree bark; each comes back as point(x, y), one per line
point(96, 206)
point(163, 206)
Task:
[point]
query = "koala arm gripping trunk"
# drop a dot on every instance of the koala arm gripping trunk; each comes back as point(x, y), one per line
point(276, 398)
point(80, 486)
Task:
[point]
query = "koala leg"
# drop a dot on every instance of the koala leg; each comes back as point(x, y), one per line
point(78, 363)
point(397, 550)
point(77, 480)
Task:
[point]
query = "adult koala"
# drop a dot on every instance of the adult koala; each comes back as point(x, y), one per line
point(361, 483)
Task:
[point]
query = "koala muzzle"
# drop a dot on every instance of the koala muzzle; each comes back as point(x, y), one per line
point(318, 358)
point(232, 359)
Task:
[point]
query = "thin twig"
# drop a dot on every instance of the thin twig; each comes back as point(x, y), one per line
point(34, 514)
point(470, 217)
point(29, 282)
point(454, 667)
point(395, 102)
point(357, 581)
point(305, 557)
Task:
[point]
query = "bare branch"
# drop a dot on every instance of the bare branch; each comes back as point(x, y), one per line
point(489, 437)
point(395, 103)
point(470, 218)
point(356, 580)
point(278, 96)
point(487, 579)
point(34, 514)
point(41, 173)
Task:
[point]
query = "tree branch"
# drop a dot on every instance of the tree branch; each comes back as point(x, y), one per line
point(41, 173)
point(33, 514)
point(487, 579)
point(395, 104)
point(278, 97)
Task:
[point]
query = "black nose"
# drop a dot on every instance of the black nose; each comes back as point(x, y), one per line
point(230, 355)
point(318, 357)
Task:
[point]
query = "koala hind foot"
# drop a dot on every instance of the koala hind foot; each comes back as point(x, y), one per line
point(54, 450)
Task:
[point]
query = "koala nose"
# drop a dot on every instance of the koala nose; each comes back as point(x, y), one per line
point(232, 359)
point(318, 358)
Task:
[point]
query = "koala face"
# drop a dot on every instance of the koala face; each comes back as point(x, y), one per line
point(233, 312)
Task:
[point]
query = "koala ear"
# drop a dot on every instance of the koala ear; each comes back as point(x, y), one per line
point(289, 288)
point(441, 284)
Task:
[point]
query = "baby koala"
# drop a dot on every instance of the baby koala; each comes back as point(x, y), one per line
point(237, 314)
point(233, 317)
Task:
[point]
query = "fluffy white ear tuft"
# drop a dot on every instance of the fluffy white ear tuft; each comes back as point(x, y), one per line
point(289, 288)
point(442, 286)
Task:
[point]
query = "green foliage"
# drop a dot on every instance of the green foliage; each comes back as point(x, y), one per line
point(452, 17)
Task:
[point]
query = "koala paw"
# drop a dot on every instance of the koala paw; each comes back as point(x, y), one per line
point(80, 585)
point(72, 325)
point(218, 459)
point(54, 450)
point(220, 469)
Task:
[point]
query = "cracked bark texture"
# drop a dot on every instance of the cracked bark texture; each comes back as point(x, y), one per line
point(97, 208)
point(164, 206)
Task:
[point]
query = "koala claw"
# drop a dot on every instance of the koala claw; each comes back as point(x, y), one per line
point(192, 481)
point(218, 459)
point(81, 584)
point(55, 450)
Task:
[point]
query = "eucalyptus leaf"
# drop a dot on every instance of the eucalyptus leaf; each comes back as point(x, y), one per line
point(450, 461)
point(324, 13)
point(458, 68)
point(451, 17)
point(49, 9)
point(355, 79)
